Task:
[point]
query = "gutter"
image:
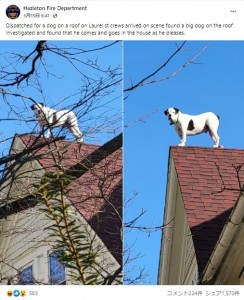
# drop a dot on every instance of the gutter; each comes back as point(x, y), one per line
point(224, 241)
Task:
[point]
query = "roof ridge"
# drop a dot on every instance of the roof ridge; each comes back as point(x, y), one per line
point(51, 139)
point(205, 147)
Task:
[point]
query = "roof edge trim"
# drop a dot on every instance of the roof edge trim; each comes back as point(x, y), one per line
point(224, 241)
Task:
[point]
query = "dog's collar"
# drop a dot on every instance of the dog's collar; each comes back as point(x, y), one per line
point(174, 122)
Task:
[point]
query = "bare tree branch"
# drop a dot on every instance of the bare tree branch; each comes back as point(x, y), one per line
point(145, 80)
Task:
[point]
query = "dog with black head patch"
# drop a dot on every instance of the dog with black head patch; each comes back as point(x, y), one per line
point(50, 118)
point(185, 124)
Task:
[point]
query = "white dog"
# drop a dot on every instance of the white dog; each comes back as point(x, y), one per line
point(54, 118)
point(191, 125)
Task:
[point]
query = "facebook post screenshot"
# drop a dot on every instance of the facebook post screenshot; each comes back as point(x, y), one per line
point(121, 158)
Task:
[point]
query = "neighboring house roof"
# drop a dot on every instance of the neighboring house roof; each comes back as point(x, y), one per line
point(96, 191)
point(210, 182)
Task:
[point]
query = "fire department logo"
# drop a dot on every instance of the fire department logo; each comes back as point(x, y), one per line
point(13, 11)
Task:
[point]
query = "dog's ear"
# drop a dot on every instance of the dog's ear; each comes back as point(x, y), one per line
point(176, 110)
point(32, 107)
point(166, 112)
point(41, 103)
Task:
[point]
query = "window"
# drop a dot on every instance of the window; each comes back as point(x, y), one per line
point(57, 269)
point(26, 276)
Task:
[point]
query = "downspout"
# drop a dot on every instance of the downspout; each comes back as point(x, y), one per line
point(224, 241)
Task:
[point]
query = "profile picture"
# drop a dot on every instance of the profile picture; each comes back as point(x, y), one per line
point(13, 11)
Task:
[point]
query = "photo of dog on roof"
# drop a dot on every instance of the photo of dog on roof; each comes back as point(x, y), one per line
point(186, 125)
point(50, 118)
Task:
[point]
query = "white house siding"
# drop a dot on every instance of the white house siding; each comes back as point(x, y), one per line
point(24, 242)
point(178, 263)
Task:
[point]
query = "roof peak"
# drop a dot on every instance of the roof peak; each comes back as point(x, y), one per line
point(205, 148)
point(29, 137)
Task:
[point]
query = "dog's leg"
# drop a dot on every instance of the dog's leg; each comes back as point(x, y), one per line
point(42, 129)
point(213, 125)
point(74, 129)
point(215, 137)
point(45, 132)
point(78, 134)
point(182, 138)
point(48, 133)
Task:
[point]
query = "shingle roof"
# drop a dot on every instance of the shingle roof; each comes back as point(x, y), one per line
point(209, 182)
point(97, 193)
